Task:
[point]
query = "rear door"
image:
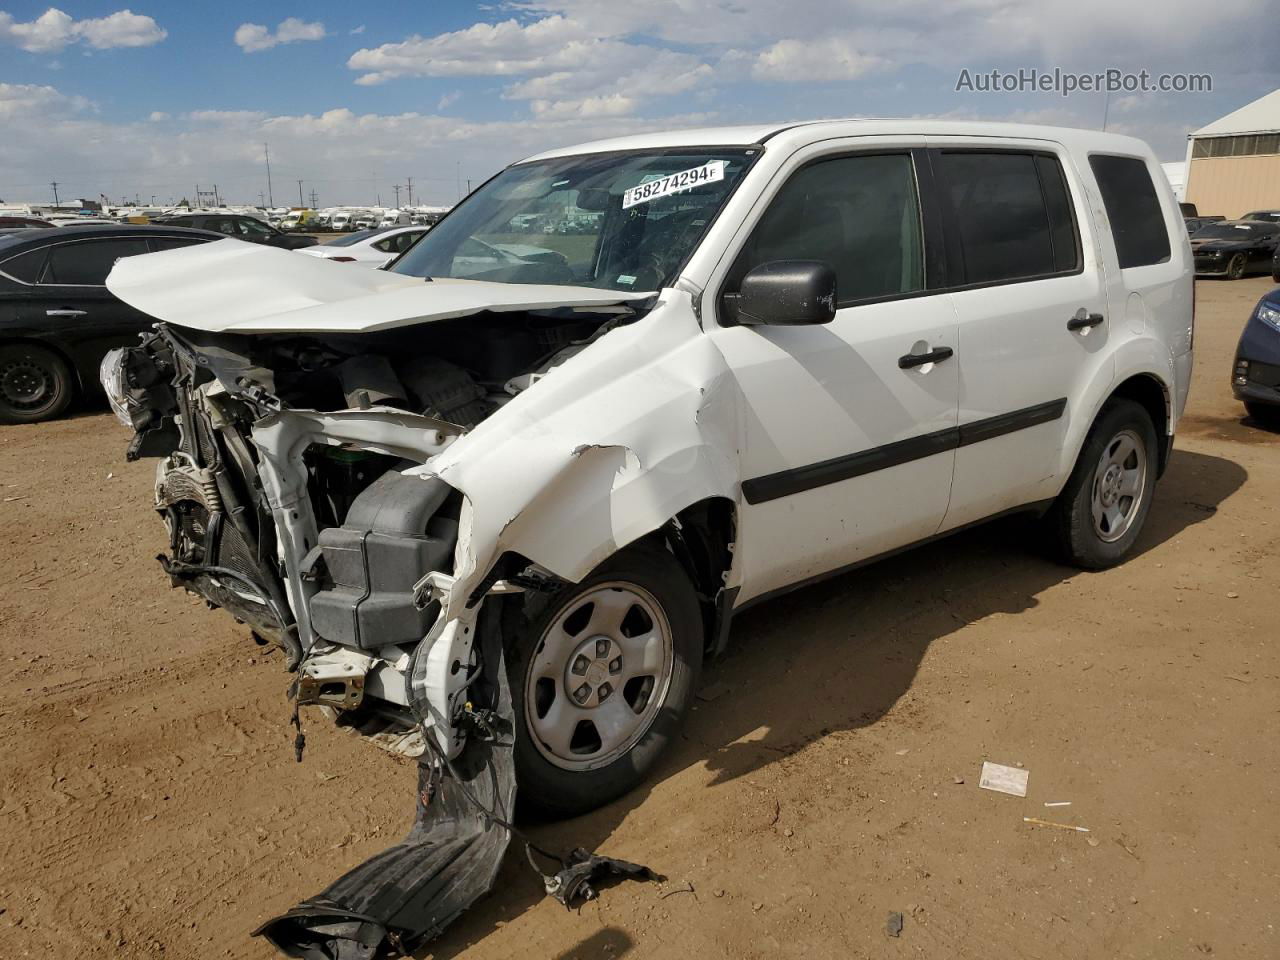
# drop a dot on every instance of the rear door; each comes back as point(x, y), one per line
point(1033, 321)
point(71, 299)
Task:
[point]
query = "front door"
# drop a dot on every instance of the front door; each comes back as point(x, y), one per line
point(849, 427)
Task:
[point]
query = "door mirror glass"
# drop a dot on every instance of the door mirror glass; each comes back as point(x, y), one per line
point(787, 293)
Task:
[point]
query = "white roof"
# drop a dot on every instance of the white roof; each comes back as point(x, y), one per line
point(812, 130)
point(1261, 116)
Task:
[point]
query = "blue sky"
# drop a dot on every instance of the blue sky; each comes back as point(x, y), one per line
point(155, 97)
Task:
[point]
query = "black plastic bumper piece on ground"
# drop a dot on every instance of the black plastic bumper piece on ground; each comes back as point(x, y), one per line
point(406, 895)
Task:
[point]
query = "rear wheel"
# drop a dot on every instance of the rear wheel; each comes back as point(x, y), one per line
point(1235, 267)
point(1100, 512)
point(602, 674)
point(35, 384)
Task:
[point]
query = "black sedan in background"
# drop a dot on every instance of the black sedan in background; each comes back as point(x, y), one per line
point(1234, 248)
point(57, 318)
point(240, 227)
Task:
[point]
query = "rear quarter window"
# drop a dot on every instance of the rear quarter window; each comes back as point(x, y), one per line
point(26, 266)
point(1133, 207)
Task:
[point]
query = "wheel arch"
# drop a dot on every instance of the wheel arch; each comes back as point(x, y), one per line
point(56, 349)
point(1153, 395)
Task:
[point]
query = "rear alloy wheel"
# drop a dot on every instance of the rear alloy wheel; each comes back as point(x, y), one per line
point(35, 384)
point(603, 673)
point(1235, 267)
point(1100, 512)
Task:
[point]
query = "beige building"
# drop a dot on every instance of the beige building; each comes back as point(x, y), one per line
point(1233, 164)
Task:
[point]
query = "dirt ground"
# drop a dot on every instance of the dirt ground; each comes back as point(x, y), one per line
point(150, 804)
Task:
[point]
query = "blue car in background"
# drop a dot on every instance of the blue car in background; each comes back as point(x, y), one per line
point(1255, 379)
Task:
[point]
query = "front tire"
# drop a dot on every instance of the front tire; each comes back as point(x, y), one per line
point(35, 384)
point(1097, 518)
point(1263, 413)
point(602, 674)
point(1235, 267)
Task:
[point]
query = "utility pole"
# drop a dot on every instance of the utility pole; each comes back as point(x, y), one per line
point(315, 205)
point(468, 186)
point(54, 184)
point(261, 198)
point(300, 201)
point(266, 151)
point(396, 188)
point(217, 200)
point(409, 181)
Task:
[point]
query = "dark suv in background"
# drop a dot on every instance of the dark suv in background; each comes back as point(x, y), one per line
point(241, 228)
point(57, 318)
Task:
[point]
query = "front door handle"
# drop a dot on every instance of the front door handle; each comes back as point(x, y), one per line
point(1083, 320)
point(936, 355)
point(65, 313)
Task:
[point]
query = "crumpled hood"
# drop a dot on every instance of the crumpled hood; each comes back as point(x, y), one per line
point(230, 286)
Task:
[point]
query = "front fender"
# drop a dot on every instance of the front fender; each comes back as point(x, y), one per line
point(606, 449)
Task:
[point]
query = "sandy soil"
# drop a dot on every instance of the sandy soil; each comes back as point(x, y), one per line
point(150, 804)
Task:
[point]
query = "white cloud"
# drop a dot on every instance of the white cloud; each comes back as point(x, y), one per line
point(828, 60)
point(356, 31)
point(562, 67)
point(20, 100)
point(54, 30)
point(449, 99)
point(254, 37)
point(158, 116)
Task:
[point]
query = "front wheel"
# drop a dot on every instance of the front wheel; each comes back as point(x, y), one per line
point(1235, 267)
point(602, 675)
point(1100, 512)
point(35, 384)
point(1263, 413)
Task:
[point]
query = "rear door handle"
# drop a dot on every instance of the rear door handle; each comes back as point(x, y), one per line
point(1083, 320)
point(936, 355)
point(65, 313)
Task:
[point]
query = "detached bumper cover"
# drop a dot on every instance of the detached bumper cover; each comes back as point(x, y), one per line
point(409, 893)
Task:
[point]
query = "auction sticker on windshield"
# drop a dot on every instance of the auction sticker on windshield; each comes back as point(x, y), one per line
point(673, 183)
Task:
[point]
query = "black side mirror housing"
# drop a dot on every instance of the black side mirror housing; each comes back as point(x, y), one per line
point(787, 293)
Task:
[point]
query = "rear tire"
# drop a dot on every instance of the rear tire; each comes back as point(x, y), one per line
point(35, 384)
point(564, 682)
point(1097, 518)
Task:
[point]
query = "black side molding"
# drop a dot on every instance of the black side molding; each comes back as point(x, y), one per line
point(786, 482)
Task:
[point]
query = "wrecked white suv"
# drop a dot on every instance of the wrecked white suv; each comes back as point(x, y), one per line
point(498, 501)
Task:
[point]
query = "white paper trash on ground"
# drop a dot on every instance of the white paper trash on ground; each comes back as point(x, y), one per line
point(1002, 779)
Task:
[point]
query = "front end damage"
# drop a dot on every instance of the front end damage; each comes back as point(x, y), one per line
point(368, 469)
point(324, 533)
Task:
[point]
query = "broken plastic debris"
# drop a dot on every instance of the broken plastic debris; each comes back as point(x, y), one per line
point(1058, 803)
point(893, 926)
point(1002, 779)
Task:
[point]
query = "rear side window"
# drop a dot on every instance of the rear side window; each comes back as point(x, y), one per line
point(860, 214)
point(1009, 216)
point(26, 266)
point(1137, 222)
point(87, 262)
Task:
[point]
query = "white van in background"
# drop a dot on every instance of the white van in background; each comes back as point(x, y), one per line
point(395, 218)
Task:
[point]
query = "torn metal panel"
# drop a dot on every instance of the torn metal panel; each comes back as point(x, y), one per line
point(624, 435)
point(231, 286)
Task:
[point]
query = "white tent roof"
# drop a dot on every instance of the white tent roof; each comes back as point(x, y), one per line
point(1261, 116)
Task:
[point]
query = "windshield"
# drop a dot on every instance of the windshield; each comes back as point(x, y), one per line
point(617, 221)
point(1228, 231)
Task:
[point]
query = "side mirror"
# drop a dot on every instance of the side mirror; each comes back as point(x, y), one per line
point(787, 293)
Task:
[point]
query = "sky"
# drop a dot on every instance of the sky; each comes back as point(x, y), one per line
point(157, 98)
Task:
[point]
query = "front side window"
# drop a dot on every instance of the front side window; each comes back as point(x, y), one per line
point(87, 262)
point(222, 225)
point(1009, 215)
point(1137, 222)
point(860, 214)
point(252, 228)
point(620, 221)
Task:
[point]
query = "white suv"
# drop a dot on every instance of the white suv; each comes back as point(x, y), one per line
point(561, 462)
